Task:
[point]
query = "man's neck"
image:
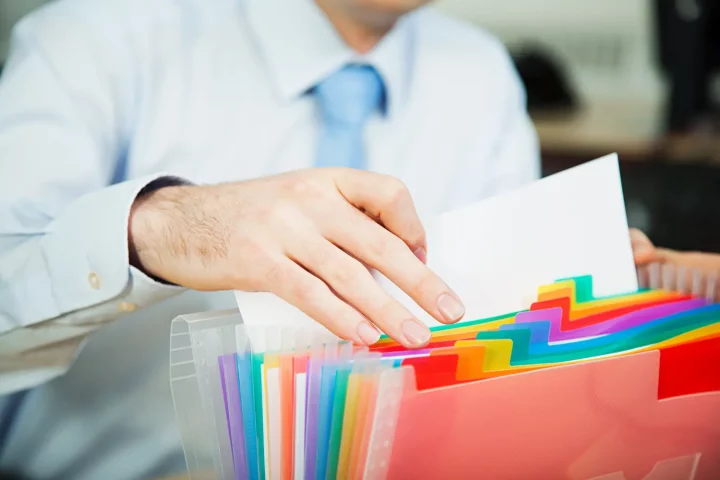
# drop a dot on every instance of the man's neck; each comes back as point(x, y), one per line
point(361, 31)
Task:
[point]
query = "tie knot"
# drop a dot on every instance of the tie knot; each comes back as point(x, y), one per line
point(350, 95)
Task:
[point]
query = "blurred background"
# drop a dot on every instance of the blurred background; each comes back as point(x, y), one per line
point(636, 77)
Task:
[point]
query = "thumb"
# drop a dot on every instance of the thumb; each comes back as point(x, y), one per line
point(643, 249)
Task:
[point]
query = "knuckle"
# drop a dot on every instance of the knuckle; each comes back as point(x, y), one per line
point(426, 285)
point(305, 289)
point(305, 186)
point(348, 274)
point(415, 236)
point(377, 246)
point(299, 185)
point(396, 193)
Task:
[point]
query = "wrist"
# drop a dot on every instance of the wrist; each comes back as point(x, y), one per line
point(150, 226)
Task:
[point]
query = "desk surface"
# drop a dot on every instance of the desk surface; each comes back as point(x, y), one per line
point(632, 130)
point(604, 127)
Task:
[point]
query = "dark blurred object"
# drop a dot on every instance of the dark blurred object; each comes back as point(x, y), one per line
point(676, 204)
point(546, 82)
point(682, 203)
point(689, 51)
point(12, 476)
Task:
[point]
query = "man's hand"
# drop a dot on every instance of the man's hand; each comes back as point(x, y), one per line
point(694, 272)
point(307, 237)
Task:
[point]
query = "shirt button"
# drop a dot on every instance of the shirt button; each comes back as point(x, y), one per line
point(94, 280)
point(126, 307)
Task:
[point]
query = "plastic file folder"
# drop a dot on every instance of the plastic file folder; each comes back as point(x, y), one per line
point(562, 369)
point(633, 393)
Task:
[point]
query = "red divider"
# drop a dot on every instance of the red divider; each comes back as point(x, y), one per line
point(690, 368)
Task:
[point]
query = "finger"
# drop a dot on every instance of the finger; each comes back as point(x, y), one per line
point(643, 249)
point(387, 200)
point(352, 282)
point(386, 253)
point(643, 275)
point(310, 295)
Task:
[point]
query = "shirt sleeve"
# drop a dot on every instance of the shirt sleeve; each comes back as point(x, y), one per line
point(65, 124)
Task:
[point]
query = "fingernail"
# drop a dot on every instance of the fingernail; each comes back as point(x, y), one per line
point(450, 307)
point(415, 333)
point(368, 334)
point(421, 254)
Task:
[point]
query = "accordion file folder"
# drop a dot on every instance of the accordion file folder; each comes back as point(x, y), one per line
point(563, 368)
point(493, 397)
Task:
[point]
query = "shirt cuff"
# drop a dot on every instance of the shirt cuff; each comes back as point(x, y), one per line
point(86, 255)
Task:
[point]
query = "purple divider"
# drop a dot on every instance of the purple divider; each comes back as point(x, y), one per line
point(639, 317)
point(313, 378)
point(233, 413)
point(613, 325)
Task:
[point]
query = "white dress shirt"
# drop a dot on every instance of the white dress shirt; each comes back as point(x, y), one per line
point(101, 97)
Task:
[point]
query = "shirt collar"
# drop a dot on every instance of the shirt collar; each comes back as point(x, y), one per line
point(301, 47)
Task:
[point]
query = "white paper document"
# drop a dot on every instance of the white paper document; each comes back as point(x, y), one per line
point(495, 253)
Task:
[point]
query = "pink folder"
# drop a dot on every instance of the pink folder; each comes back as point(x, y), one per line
point(652, 416)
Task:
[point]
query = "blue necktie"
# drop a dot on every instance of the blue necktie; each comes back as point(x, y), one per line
point(346, 99)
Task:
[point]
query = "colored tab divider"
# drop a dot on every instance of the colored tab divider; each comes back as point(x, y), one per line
point(573, 296)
